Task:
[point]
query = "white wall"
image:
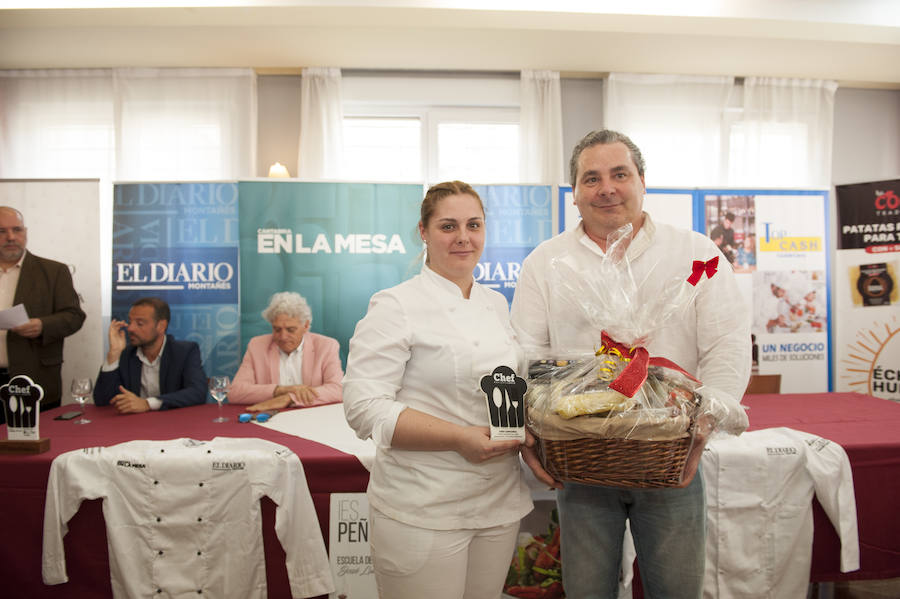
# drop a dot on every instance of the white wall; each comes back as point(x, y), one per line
point(63, 220)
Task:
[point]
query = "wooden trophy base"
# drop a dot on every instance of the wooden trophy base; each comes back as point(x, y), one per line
point(24, 447)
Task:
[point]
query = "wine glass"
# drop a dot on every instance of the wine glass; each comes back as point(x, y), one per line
point(81, 390)
point(218, 388)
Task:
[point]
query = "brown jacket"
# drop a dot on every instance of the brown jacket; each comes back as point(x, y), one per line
point(45, 287)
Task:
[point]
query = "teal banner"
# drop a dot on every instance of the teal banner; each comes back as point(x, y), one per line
point(336, 244)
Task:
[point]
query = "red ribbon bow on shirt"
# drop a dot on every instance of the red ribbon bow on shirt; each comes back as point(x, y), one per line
point(699, 267)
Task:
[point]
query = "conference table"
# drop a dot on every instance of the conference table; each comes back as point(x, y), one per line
point(867, 428)
point(23, 484)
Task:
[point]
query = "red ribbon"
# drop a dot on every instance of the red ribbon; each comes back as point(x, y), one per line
point(699, 267)
point(635, 372)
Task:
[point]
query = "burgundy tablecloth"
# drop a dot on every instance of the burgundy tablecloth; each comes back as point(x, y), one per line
point(868, 429)
point(23, 483)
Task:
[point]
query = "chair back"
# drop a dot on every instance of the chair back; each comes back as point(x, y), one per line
point(764, 383)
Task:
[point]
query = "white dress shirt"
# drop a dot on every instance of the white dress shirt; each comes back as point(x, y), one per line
point(423, 345)
point(149, 375)
point(759, 489)
point(9, 280)
point(183, 517)
point(710, 340)
point(290, 367)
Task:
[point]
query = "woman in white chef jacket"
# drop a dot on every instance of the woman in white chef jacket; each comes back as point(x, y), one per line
point(445, 500)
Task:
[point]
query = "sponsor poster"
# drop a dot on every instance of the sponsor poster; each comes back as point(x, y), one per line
point(348, 547)
point(517, 219)
point(336, 244)
point(867, 266)
point(179, 242)
point(775, 241)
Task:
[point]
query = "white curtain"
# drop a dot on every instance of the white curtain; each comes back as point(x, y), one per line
point(676, 120)
point(321, 124)
point(56, 124)
point(185, 124)
point(784, 136)
point(541, 156)
point(128, 124)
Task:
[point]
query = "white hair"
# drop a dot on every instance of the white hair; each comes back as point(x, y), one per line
point(287, 303)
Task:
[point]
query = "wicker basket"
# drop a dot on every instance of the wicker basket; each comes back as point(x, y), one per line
point(629, 463)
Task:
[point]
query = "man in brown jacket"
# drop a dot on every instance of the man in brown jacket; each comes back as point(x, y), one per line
point(54, 312)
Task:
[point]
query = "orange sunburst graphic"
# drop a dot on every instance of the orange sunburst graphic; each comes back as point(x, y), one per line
point(865, 354)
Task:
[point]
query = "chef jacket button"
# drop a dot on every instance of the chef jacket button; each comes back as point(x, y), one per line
point(199, 519)
point(160, 552)
point(162, 451)
point(201, 484)
point(199, 552)
point(156, 482)
point(453, 308)
point(199, 591)
point(209, 451)
point(476, 343)
point(158, 519)
point(159, 590)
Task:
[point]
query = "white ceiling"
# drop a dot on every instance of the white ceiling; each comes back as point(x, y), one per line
point(856, 42)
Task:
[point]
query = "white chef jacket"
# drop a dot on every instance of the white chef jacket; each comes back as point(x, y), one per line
point(423, 345)
point(183, 516)
point(759, 490)
point(710, 340)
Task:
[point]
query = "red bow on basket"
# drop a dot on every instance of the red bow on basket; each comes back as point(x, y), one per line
point(699, 267)
point(638, 360)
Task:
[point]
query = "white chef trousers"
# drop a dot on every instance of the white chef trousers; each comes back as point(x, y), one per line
point(416, 563)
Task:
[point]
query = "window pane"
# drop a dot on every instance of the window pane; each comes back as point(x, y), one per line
point(769, 154)
point(183, 144)
point(478, 152)
point(382, 149)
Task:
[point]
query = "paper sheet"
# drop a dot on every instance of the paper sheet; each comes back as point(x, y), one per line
point(325, 425)
point(13, 317)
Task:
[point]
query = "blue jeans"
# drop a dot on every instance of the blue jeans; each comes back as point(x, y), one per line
point(669, 531)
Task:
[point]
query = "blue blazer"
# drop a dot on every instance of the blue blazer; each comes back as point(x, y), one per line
point(182, 381)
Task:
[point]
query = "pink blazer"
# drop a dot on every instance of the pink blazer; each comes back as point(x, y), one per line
point(257, 377)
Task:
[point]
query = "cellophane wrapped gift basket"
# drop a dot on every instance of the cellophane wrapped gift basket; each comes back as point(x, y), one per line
point(613, 414)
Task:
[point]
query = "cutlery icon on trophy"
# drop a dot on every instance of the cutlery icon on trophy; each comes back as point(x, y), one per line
point(505, 392)
point(20, 398)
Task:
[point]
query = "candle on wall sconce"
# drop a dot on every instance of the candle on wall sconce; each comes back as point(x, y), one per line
point(278, 170)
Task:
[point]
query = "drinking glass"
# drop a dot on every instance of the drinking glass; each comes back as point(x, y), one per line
point(218, 388)
point(81, 390)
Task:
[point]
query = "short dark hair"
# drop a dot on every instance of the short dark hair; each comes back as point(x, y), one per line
point(160, 308)
point(604, 137)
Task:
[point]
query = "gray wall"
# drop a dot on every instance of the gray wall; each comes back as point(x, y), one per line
point(278, 126)
point(866, 135)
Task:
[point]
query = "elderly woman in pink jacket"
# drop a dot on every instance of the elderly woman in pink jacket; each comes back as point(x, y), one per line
point(291, 366)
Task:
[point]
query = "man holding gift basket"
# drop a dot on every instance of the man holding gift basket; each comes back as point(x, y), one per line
point(623, 318)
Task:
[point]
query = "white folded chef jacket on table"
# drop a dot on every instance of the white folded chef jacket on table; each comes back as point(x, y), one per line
point(759, 490)
point(183, 516)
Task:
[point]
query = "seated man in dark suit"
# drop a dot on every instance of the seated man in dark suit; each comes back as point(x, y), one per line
point(155, 372)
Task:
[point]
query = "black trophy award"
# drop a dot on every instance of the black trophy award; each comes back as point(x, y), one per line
point(505, 396)
point(21, 398)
